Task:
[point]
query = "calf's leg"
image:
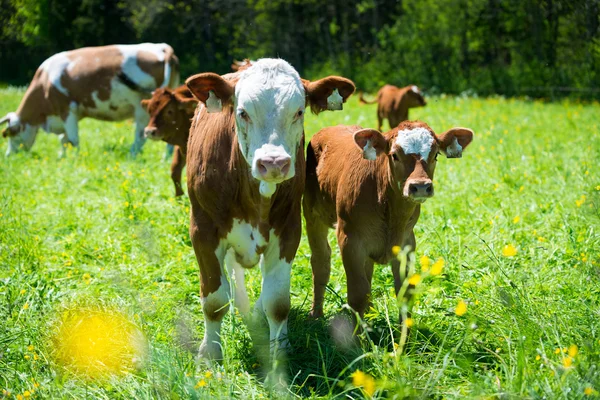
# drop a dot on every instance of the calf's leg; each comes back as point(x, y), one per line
point(320, 261)
point(176, 167)
point(357, 278)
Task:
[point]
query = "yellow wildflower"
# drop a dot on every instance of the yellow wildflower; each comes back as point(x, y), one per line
point(516, 219)
point(25, 306)
point(581, 200)
point(35, 357)
point(208, 374)
point(201, 383)
point(567, 362)
point(461, 308)
point(395, 250)
point(26, 393)
point(414, 280)
point(538, 358)
point(30, 347)
point(588, 391)
point(131, 216)
point(573, 350)
point(509, 250)
point(367, 382)
point(19, 397)
point(437, 267)
point(23, 291)
point(409, 322)
point(27, 356)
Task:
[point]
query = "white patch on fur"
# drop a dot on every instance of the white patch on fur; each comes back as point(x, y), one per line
point(454, 150)
point(369, 152)
point(415, 141)
point(213, 103)
point(13, 119)
point(335, 101)
point(414, 89)
point(267, 189)
point(236, 275)
point(132, 69)
point(271, 93)
point(55, 66)
point(244, 239)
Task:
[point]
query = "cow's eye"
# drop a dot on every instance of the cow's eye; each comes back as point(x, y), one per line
point(300, 113)
point(244, 115)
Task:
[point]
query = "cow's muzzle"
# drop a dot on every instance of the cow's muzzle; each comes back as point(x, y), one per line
point(152, 133)
point(419, 191)
point(273, 168)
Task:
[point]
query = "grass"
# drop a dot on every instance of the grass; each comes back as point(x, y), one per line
point(97, 229)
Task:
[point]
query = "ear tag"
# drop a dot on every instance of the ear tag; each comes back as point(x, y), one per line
point(334, 101)
point(213, 103)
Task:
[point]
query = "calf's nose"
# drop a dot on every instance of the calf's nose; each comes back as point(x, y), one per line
point(420, 190)
point(273, 167)
point(150, 132)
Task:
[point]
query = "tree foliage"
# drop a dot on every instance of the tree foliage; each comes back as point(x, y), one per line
point(512, 47)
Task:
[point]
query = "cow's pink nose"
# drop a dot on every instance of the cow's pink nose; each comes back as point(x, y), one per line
point(420, 190)
point(272, 167)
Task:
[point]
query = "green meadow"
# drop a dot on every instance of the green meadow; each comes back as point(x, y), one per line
point(514, 314)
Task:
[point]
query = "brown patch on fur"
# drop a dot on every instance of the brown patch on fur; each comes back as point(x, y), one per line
point(150, 64)
point(281, 310)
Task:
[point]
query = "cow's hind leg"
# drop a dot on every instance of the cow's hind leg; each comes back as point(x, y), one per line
point(320, 260)
point(71, 135)
point(141, 120)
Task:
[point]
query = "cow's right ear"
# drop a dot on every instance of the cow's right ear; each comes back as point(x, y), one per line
point(371, 142)
point(145, 104)
point(210, 89)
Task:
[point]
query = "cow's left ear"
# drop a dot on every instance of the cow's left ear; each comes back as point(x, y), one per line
point(211, 89)
point(145, 104)
point(328, 93)
point(453, 141)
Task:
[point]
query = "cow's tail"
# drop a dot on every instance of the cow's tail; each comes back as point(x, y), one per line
point(171, 77)
point(362, 100)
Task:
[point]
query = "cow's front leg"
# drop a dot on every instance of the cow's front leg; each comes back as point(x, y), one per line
point(71, 135)
point(274, 299)
point(141, 121)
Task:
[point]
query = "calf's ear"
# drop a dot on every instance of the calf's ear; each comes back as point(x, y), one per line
point(327, 93)
point(371, 142)
point(145, 104)
point(454, 141)
point(210, 89)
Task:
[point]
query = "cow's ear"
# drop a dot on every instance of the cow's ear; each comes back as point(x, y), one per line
point(328, 93)
point(145, 104)
point(453, 141)
point(371, 142)
point(187, 105)
point(210, 89)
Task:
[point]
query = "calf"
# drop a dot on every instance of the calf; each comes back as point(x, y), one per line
point(245, 174)
point(372, 185)
point(393, 103)
point(171, 112)
point(105, 83)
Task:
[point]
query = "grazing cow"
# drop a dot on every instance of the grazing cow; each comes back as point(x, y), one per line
point(393, 103)
point(105, 83)
point(372, 185)
point(171, 113)
point(245, 182)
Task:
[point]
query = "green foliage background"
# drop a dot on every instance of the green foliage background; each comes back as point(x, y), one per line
point(542, 48)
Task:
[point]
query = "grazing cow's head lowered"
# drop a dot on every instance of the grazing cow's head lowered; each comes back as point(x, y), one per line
point(18, 133)
point(170, 112)
point(412, 149)
point(268, 101)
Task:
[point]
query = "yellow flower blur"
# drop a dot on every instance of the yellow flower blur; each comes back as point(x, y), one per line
point(509, 250)
point(425, 263)
point(367, 382)
point(461, 308)
point(414, 280)
point(95, 343)
point(437, 267)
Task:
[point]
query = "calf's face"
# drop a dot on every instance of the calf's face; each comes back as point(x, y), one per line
point(268, 102)
point(412, 152)
point(169, 113)
point(414, 97)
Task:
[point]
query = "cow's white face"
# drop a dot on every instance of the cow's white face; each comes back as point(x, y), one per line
point(269, 106)
point(20, 136)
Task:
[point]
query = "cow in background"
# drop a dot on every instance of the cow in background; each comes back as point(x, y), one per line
point(171, 112)
point(105, 83)
point(372, 185)
point(393, 103)
point(245, 182)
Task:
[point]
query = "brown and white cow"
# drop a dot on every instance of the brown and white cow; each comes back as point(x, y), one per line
point(105, 83)
point(171, 113)
point(393, 103)
point(245, 174)
point(372, 185)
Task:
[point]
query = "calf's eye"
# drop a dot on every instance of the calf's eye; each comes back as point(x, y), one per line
point(244, 115)
point(299, 114)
